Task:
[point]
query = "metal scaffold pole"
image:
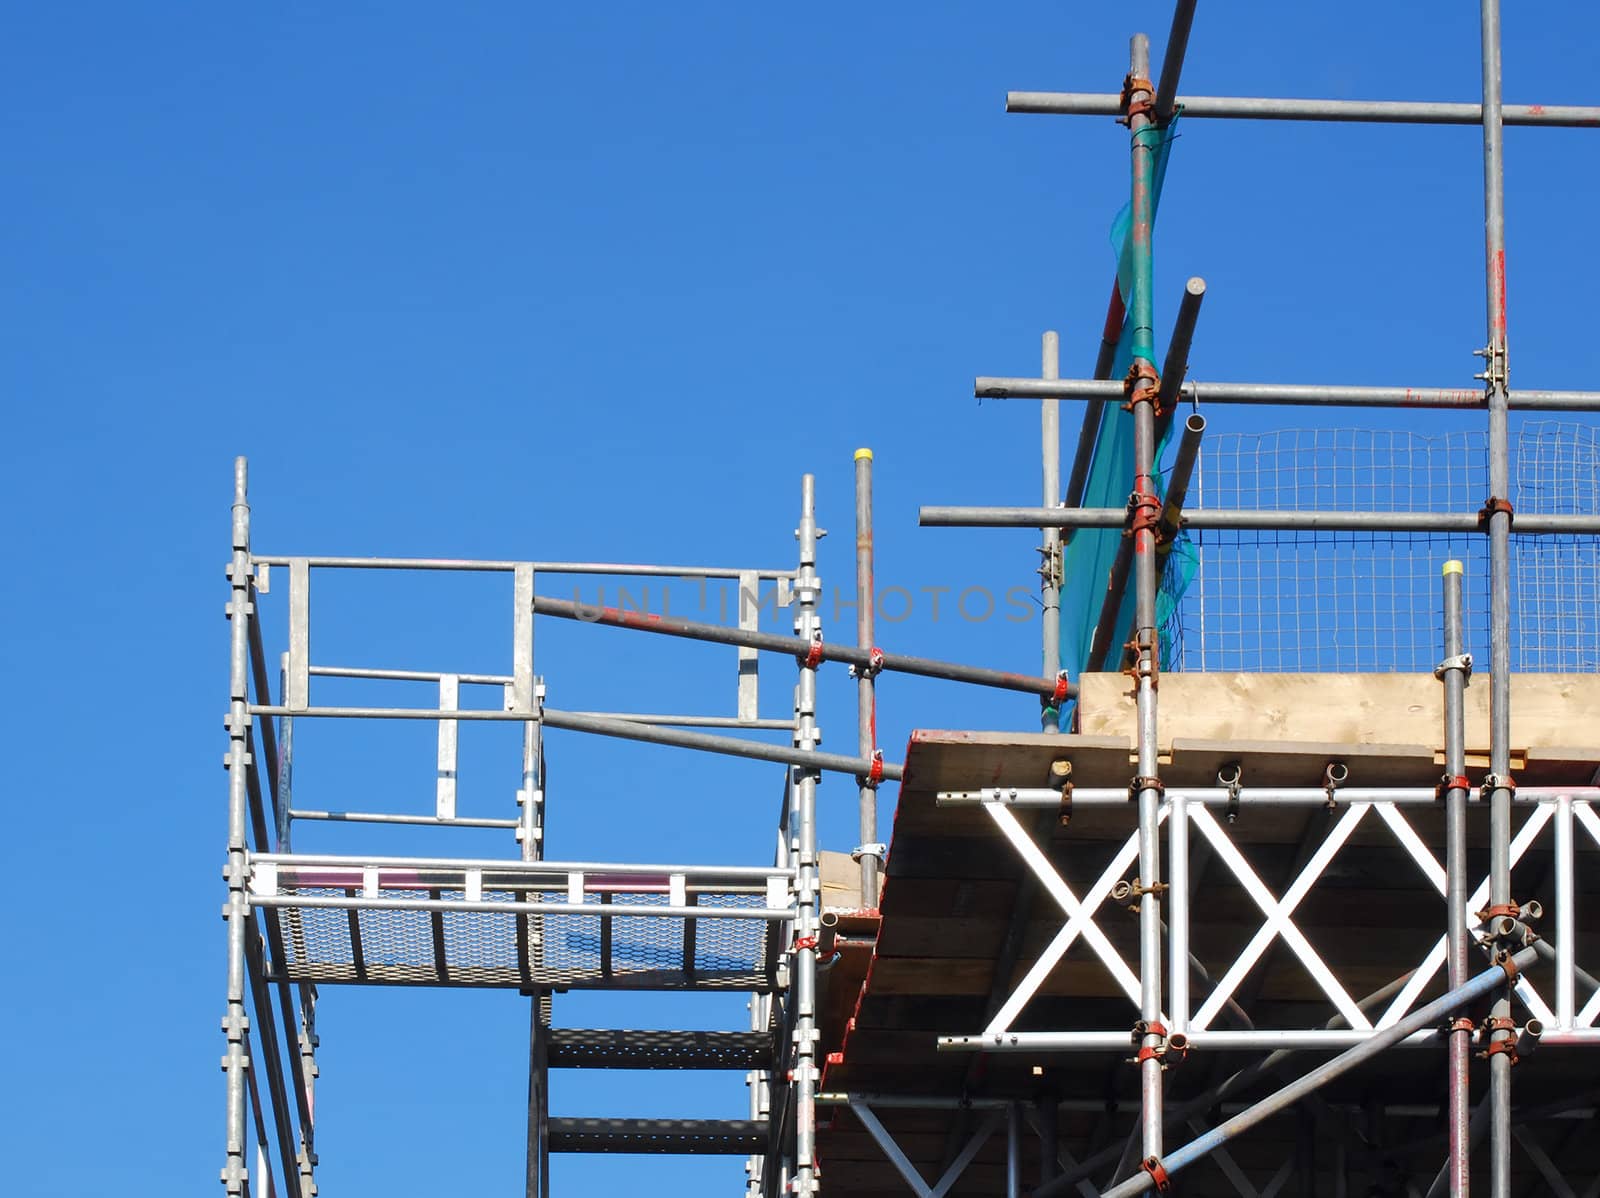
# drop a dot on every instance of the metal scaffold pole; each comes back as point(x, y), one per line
point(1050, 566)
point(1453, 673)
point(530, 831)
point(807, 925)
point(1145, 512)
point(1498, 510)
point(1052, 687)
point(869, 853)
point(236, 1022)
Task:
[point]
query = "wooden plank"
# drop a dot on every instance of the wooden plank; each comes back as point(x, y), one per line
point(1546, 709)
point(841, 882)
point(940, 760)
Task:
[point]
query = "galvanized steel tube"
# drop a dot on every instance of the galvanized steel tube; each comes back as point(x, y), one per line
point(1566, 921)
point(772, 642)
point(867, 852)
point(1050, 566)
point(1172, 59)
point(1144, 139)
point(1282, 520)
point(1049, 798)
point(1495, 370)
point(1290, 394)
point(236, 1021)
point(1453, 673)
point(730, 746)
point(1375, 1043)
point(1176, 364)
point(1013, 1150)
point(808, 627)
point(1264, 108)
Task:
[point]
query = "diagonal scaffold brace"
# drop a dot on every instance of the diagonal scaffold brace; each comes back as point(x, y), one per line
point(1432, 1014)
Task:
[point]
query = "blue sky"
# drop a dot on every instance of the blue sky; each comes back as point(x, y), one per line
point(601, 282)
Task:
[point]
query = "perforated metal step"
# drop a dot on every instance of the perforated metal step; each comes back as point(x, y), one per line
point(730, 1137)
point(618, 1048)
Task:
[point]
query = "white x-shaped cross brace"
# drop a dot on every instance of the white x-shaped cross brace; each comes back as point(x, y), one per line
point(1587, 1017)
point(1278, 913)
point(1423, 856)
point(1080, 916)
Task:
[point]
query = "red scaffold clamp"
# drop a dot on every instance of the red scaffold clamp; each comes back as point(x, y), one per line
point(1142, 385)
point(1158, 1173)
point(1168, 1051)
point(1130, 107)
point(812, 658)
point(1142, 782)
point(1451, 782)
point(873, 666)
point(1063, 689)
point(1492, 506)
point(874, 775)
point(1144, 513)
point(1133, 653)
point(801, 943)
point(1495, 1047)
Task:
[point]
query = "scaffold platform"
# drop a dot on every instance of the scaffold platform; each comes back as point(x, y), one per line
point(400, 921)
point(965, 923)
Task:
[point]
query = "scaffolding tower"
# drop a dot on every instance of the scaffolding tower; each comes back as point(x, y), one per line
point(300, 921)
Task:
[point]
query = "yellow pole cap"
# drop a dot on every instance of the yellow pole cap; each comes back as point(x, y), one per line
point(863, 453)
point(1454, 567)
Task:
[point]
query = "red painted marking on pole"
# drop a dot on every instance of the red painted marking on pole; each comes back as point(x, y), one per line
point(1116, 313)
point(1535, 109)
point(1498, 271)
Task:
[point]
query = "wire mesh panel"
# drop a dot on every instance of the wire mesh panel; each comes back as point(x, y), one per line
point(1556, 580)
point(1371, 601)
point(1333, 601)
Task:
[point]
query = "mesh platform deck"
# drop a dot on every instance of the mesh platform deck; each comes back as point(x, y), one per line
point(413, 942)
point(731, 1137)
point(620, 1048)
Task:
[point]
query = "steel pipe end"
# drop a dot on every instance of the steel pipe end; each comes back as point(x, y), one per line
point(1196, 286)
point(1195, 425)
point(1528, 1038)
point(1506, 928)
point(1532, 909)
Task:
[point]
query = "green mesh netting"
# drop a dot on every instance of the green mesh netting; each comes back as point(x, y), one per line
point(1088, 556)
